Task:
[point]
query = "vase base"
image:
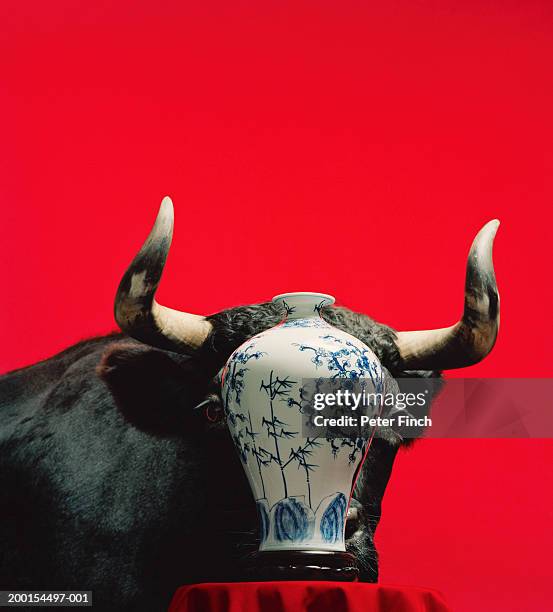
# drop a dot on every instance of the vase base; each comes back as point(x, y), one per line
point(302, 565)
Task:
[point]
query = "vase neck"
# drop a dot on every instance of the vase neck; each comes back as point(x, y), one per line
point(303, 305)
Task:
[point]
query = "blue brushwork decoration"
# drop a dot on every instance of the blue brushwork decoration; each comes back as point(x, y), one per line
point(293, 520)
point(332, 521)
point(319, 323)
point(263, 513)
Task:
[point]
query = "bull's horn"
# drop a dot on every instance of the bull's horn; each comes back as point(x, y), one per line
point(471, 338)
point(136, 311)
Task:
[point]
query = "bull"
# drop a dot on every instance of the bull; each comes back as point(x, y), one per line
point(117, 471)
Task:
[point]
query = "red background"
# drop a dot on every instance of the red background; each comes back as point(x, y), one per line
point(345, 147)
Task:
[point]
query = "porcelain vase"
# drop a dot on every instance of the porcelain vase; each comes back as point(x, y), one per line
point(301, 484)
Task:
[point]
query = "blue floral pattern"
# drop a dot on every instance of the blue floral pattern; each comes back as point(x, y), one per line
point(293, 520)
point(321, 323)
point(347, 361)
point(264, 521)
point(332, 521)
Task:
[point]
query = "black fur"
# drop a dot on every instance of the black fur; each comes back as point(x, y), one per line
point(234, 326)
point(111, 480)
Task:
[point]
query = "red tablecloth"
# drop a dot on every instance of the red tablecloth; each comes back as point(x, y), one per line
point(305, 596)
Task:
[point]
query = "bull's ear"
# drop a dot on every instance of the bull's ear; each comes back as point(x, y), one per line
point(154, 390)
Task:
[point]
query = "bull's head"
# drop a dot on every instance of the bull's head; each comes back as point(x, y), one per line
point(207, 342)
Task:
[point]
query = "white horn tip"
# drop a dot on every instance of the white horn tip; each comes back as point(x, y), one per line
point(166, 212)
point(492, 225)
point(167, 202)
point(487, 233)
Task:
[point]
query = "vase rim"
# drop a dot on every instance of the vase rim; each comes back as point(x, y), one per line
point(308, 297)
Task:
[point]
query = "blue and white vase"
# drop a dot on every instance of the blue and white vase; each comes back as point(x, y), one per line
point(301, 485)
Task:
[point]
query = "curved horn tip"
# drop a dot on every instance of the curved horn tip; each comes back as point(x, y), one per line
point(483, 242)
point(163, 225)
point(166, 208)
point(166, 202)
point(489, 229)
